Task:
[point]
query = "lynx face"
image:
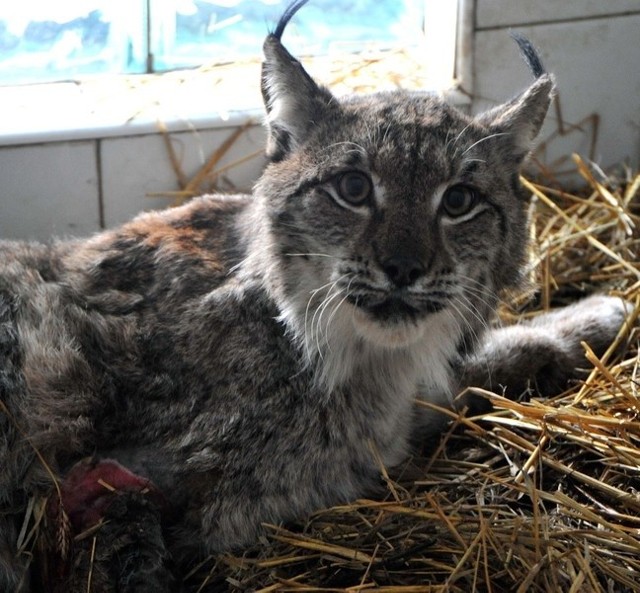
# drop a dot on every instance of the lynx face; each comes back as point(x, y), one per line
point(395, 214)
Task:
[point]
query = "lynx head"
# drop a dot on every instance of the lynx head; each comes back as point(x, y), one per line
point(391, 214)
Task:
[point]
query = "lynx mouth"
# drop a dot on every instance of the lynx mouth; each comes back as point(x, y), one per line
point(395, 309)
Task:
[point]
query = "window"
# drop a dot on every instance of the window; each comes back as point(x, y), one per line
point(43, 41)
point(203, 56)
point(234, 29)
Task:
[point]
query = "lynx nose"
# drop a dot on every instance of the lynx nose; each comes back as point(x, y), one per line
point(402, 270)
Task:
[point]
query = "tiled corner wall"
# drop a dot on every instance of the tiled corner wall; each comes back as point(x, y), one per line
point(63, 189)
point(593, 49)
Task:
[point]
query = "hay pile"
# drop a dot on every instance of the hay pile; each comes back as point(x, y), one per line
point(538, 496)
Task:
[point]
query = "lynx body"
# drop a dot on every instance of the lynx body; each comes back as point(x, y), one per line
point(257, 357)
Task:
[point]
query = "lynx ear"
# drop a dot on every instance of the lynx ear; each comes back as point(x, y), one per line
point(521, 118)
point(294, 102)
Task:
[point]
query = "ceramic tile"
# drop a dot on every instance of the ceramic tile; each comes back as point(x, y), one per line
point(586, 59)
point(48, 190)
point(504, 13)
point(133, 168)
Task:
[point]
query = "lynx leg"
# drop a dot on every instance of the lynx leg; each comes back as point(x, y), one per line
point(546, 353)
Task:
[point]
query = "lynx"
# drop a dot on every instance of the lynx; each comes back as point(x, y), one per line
point(251, 359)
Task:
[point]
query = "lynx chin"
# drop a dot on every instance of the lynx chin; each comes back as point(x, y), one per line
point(239, 358)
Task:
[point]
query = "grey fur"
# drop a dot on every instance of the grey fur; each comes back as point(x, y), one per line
point(249, 354)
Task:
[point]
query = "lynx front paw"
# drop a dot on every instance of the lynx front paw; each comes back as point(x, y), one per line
point(595, 320)
point(546, 354)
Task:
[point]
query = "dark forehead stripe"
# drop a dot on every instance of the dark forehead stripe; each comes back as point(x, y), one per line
point(468, 169)
point(416, 165)
point(502, 218)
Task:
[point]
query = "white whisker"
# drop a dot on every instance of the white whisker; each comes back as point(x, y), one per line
point(489, 137)
point(335, 309)
point(308, 328)
point(312, 327)
point(320, 312)
point(456, 139)
point(313, 255)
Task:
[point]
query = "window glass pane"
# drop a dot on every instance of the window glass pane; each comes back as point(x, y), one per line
point(43, 40)
point(194, 32)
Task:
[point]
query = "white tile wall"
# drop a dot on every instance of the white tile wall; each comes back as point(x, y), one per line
point(47, 191)
point(134, 167)
point(501, 13)
point(55, 189)
point(596, 67)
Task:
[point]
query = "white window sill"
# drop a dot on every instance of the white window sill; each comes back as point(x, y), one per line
point(119, 106)
point(211, 97)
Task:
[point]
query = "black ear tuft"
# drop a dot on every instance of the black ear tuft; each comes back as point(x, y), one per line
point(530, 54)
point(294, 102)
point(287, 15)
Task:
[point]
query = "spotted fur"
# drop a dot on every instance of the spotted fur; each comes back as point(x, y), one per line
point(257, 356)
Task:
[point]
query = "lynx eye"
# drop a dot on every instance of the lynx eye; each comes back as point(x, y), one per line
point(459, 200)
point(354, 187)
